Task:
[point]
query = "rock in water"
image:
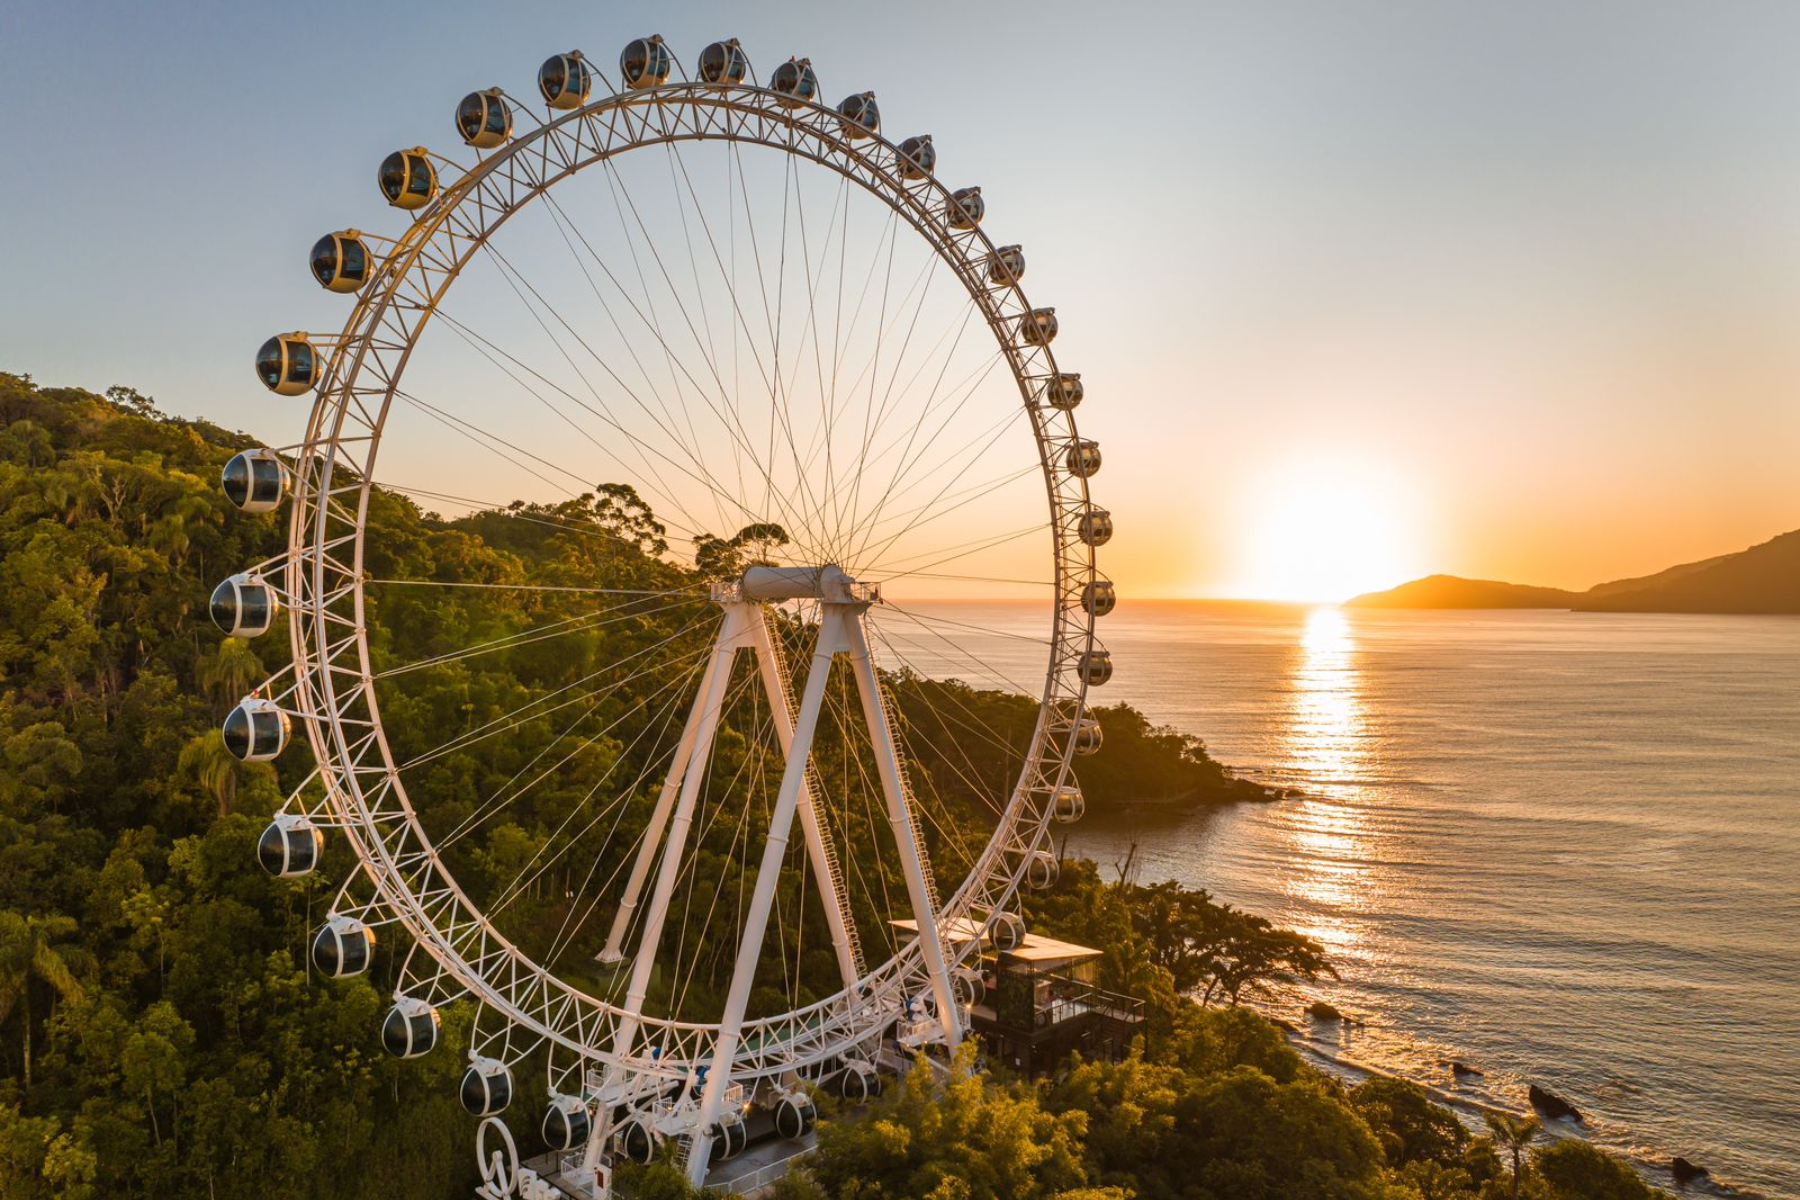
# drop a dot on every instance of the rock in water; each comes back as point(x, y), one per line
point(1685, 1172)
point(1319, 1010)
point(1553, 1105)
point(1463, 1069)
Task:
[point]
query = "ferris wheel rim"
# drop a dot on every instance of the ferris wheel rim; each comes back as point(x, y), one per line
point(334, 406)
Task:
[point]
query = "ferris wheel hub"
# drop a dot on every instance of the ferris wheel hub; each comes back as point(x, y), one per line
point(828, 583)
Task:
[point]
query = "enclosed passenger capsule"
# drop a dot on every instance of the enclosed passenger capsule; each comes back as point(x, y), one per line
point(1069, 806)
point(795, 83)
point(408, 179)
point(1038, 327)
point(484, 119)
point(291, 846)
point(1042, 871)
point(565, 80)
point(1096, 527)
point(857, 1082)
point(918, 157)
point(487, 1086)
point(410, 1028)
point(1084, 459)
point(256, 730)
point(1065, 391)
point(1006, 266)
point(723, 64)
point(966, 208)
point(254, 480)
point(244, 606)
point(1099, 597)
point(567, 1123)
point(795, 1115)
point(858, 116)
point(1088, 737)
point(341, 261)
point(1007, 932)
point(969, 986)
point(730, 1136)
point(342, 947)
point(634, 1140)
point(288, 365)
point(1096, 667)
point(646, 62)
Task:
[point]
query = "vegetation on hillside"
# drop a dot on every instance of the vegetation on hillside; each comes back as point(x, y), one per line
point(161, 1034)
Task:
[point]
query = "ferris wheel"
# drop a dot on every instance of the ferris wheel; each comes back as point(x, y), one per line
point(662, 369)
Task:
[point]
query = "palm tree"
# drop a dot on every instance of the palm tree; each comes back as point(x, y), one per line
point(227, 672)
point(28, 953)
point(1513, 1134)
point(213, 767)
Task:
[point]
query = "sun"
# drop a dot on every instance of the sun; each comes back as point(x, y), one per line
point(1321, 533)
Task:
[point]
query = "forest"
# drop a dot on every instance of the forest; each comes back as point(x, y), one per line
point(162, 1033)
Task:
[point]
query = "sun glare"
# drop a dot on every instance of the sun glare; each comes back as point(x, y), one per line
point(1324, 535)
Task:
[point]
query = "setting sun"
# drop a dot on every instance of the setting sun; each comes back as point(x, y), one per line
point(1328, 533)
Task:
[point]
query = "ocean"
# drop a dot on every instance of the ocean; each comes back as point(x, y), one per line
point(1561, 848)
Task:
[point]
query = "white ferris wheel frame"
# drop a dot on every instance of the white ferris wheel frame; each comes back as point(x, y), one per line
point(357, 786)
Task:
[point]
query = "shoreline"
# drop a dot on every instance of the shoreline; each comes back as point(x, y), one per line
point(1655, 1170)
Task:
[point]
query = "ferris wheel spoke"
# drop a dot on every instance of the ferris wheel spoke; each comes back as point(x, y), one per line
point(938, 508)
point(908, 564)
point(588, 622)
point(725, 413)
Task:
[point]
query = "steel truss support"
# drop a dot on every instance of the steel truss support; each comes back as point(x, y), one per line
point(840, 632)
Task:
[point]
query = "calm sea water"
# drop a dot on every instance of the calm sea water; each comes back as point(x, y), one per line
point(1562, 848)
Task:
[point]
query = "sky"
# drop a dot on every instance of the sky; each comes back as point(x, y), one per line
point(1359, 291)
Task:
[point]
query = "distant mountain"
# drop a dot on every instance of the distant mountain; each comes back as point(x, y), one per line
point(1762, 579)
point(1452, 591)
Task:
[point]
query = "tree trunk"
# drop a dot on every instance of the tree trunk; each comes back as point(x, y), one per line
point(25, 1006)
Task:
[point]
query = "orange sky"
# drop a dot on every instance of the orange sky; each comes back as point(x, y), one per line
point(1358, 291)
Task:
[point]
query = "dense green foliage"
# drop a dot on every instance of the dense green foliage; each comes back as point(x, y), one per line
point(161, 1034)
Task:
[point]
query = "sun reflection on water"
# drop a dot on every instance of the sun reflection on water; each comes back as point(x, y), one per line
point(1325, 746)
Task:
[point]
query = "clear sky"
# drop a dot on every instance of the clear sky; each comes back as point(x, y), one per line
point(1359, 290)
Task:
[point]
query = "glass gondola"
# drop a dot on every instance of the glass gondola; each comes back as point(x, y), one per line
point(256, 730)
point(1069, 805)
point(565, 80)
point(1099, 597)
point(484, 119)
point(918, 157)
point(1042, 871)
point(724, 64)
point(288, 365)
point(795, 83)
point(254, 480)
point(1038, 327)
point(1096, 527)
point(567, 1123)
point(1065, 391)
point(410, 1028)
point(859, 116)
point(291, 846)
point(646, 62)
point(1088, 738)
point(1006, 266)
point(243, 606)
point(342, 947)
point(341, 262)
point(487, 1087)
point(1096, 667)
point(1083, 459)
point(408, 179)
point(966, 208)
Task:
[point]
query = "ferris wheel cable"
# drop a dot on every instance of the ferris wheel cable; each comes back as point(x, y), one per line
point(571, 924)
point(968, 496)
point(954, 550)
point(499, 799)
point(929, 406)
point(874, 369)
point(514, 277)
point(565, 225)
point(651, 764)
point(813, 278)
point(499, 508)
point(483, 438)
point(897, 488)
point(538, 587)
point(741, 437)
point(526, 637)
point(483, 732)
point(985, 673)
point(520, 881)
point(969, 778)
point(642, 448)
point(835, 409)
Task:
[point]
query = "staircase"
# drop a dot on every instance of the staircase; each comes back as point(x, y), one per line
point(907, 800)
point(834, 869)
